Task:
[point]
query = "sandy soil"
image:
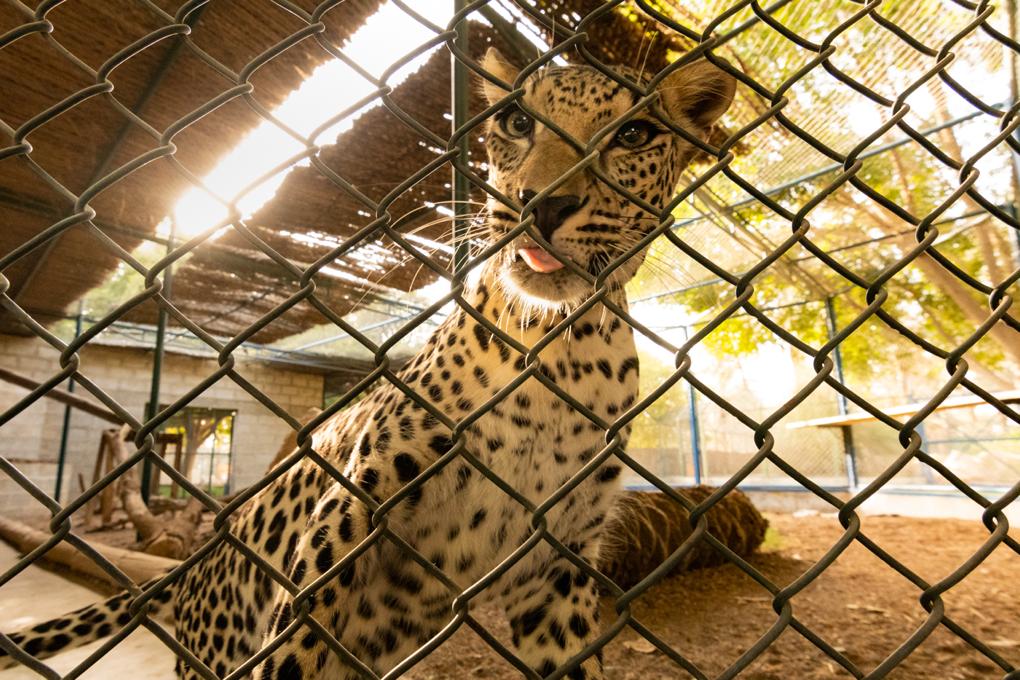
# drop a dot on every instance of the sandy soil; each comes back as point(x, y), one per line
point(859, 605)
point(37, 595)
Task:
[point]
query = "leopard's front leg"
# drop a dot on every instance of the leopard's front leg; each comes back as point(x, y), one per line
point(370, 605)
point(553, 617)
point(338, 524)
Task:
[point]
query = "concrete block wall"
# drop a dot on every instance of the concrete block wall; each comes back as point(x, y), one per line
point(32, 439)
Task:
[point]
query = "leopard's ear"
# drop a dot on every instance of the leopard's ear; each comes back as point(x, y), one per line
point(497, 65)
point(697, 94)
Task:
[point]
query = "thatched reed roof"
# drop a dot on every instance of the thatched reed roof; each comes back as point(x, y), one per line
point(163, 83)
point(231, 285)
point(228, 283)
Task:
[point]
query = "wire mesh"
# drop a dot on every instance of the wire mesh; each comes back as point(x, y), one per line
point(823, 53)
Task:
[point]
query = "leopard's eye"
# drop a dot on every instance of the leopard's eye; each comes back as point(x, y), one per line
point(634, 134)
point(516, 123)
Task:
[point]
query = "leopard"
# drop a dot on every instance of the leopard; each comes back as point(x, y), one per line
point(460, 483)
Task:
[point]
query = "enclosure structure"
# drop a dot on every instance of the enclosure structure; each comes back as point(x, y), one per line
point(826, 309)
point(58, 439)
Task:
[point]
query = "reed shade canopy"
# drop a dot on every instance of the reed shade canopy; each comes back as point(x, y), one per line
point(227, 283)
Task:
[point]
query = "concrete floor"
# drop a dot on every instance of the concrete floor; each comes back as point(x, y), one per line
point(36, 595)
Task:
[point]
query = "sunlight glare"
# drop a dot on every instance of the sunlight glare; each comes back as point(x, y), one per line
point(331, 88)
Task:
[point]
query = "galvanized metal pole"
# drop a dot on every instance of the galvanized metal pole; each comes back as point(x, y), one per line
point(849, 451)
point(1013, 15)
point(459, 92)
point(1014, 95)
point(157, 360)
point(694, 424)
point(1015, 210)
point(66, 425)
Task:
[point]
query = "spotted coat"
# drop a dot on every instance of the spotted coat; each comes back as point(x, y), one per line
point(369, 592)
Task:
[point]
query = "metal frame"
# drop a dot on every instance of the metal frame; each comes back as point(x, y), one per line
point(849, 451)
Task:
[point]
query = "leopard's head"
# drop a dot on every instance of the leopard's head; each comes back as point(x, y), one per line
point(583, 217)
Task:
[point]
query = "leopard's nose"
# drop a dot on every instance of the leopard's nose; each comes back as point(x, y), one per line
point(552, 211)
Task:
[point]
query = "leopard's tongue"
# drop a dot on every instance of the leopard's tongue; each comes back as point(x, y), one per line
point(540, 260)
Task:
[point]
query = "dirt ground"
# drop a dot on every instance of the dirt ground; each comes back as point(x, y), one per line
point(859, 605)
point(37, 595)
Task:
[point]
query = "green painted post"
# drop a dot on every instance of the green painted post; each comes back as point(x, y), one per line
point(157, 360)
point(66, 425)
point(459, 92)
point(849, 451)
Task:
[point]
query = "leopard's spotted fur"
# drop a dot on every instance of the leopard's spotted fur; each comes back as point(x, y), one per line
point(383, 605)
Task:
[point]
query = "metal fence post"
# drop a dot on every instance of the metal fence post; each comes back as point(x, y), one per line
point(157, 360)
point(459, 110)
point(695, 427)
point(66, 425)
point(849, 451)
point(1014, 87)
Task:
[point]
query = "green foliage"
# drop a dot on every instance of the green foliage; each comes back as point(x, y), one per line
point(773, 542)
point(122, 284)
point(659, 425)
point(861, 235)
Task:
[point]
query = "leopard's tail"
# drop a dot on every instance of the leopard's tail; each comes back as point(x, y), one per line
point(84, 625)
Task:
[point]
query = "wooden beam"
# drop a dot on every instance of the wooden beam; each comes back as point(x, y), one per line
point(63, 396)
point(1009, 397)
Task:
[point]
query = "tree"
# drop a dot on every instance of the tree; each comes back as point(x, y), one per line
point(861, 234)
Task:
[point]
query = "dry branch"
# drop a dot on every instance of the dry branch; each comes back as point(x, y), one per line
point(171, 538)
point(138, 566)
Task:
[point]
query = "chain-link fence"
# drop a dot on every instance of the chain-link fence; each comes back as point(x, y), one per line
point(276, 279)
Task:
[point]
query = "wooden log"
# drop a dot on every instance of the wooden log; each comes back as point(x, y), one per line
point(171, 538)
point(646, 527)
point(130, 489)
point(63, 396)
point(138, 566)
point(179, 533)
point(159, 505)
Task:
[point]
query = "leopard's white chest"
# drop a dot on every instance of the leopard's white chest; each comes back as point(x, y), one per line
point(531, 446)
